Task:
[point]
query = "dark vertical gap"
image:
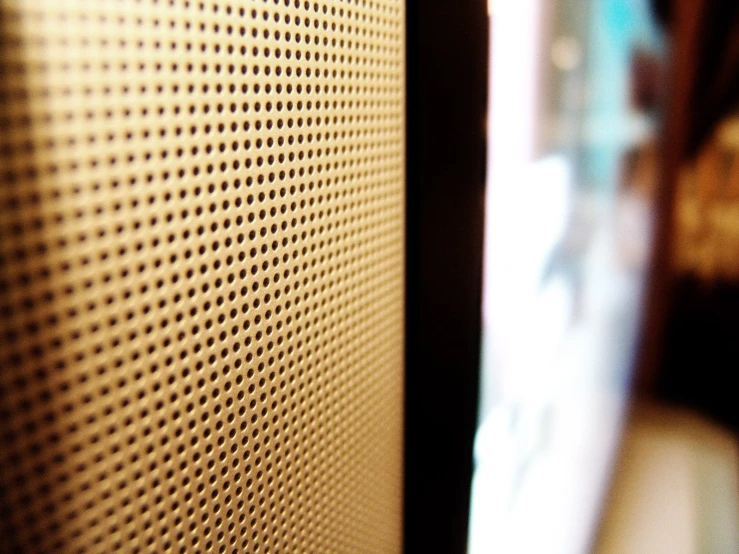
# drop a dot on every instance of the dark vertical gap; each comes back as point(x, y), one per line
point(412, 242)
point(446, 65)
point(684, 31)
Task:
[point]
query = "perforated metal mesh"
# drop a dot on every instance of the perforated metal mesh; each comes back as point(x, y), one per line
point(201, 224)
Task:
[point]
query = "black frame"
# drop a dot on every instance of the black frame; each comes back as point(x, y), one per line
point(447, 68)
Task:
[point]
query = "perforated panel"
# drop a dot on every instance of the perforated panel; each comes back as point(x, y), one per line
point(202, 276)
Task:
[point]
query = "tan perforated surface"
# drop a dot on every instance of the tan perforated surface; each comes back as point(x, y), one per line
point(201, 283)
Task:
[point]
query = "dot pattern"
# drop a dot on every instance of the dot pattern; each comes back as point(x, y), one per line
point(201, 275)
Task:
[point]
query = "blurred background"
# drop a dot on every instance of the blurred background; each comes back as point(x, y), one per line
point(607, 417)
